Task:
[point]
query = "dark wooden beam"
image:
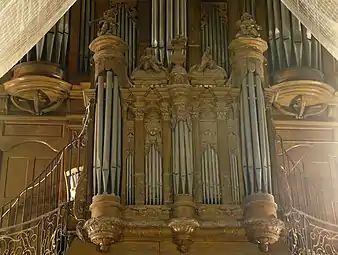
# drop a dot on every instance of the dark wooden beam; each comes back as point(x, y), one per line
point(194, 32)
point(143, 25)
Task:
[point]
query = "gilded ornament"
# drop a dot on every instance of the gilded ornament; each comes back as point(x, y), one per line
point(247, 27)
point(104, 231)
point(108, 24)
point(207, 72)
point(150, 71)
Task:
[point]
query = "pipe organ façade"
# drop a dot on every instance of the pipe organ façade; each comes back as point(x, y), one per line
point(197, 116)
point(178, 123)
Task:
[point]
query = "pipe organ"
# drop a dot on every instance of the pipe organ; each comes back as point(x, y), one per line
point(107, 152)
point(53, 47)
point(214, 29)
point(183, 140)
point(291, 44)
point(168, 20)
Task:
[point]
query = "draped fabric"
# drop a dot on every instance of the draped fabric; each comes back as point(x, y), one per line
point(321, 18)
point(23, 23)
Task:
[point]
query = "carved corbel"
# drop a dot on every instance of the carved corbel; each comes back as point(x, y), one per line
point(183, 223)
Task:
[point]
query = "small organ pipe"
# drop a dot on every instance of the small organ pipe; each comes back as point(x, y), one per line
point(113, 159)
point(254, 129)
point(107, 126)
point(176, 17)
point(100, 105)
point(95, 163)
point(290, 42)
point(119, 143)
point(248, 138)
point(262, 130)
point(161, 29)
point(176, 159)
point(169, 26)
point(244, 145)
point(188, 146)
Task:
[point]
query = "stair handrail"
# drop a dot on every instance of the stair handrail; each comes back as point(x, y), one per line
point(60, 154)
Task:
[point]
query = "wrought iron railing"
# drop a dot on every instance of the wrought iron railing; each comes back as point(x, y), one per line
point(35, 221)
point(306, 234)
point(310, 236)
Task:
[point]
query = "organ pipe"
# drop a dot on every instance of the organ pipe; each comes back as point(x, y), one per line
point(214, 32)
point(182, 158)
point(291, 44)
point(255, 147)
point(211, 186)
point(169, 20)
point(107, 142)
point(154, 173)
point(53, 47)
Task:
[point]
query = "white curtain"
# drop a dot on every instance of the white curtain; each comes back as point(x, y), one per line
point(321, 18)
point(23, 23)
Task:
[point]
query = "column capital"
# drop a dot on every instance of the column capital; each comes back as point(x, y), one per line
point(108, 55)
point(247, 49)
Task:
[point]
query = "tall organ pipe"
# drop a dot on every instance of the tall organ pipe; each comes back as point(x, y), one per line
point(182, 158)
point(255, 147)
point(291, 44)
point(213, 33)
point(107, 142)
point(169, 20)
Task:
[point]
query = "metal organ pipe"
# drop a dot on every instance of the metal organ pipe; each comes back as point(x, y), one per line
point(100, 109)
point(153, 170)
point(169, 19)
point(254, 137)
point(210, 176)
point(107, 141)
point(182, 158)
point(214, 32)
point(291, 44)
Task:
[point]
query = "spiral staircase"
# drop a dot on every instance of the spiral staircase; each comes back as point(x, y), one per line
point(39, 220)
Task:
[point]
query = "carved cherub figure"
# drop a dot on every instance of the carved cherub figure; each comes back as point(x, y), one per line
point(149, 61)
point(207, 62)
point(247, 27)
point(108, 22)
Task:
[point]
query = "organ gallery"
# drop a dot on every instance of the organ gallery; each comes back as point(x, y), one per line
point(171, 127)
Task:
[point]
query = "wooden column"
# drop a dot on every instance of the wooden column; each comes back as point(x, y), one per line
point(194, 32)
point(223, 152)
point(167, 151)
point(139, 154)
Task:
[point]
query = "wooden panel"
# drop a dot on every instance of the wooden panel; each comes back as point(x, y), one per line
point(306, 134)
point(21, 165)
point(168, 248)
point(29, 130)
